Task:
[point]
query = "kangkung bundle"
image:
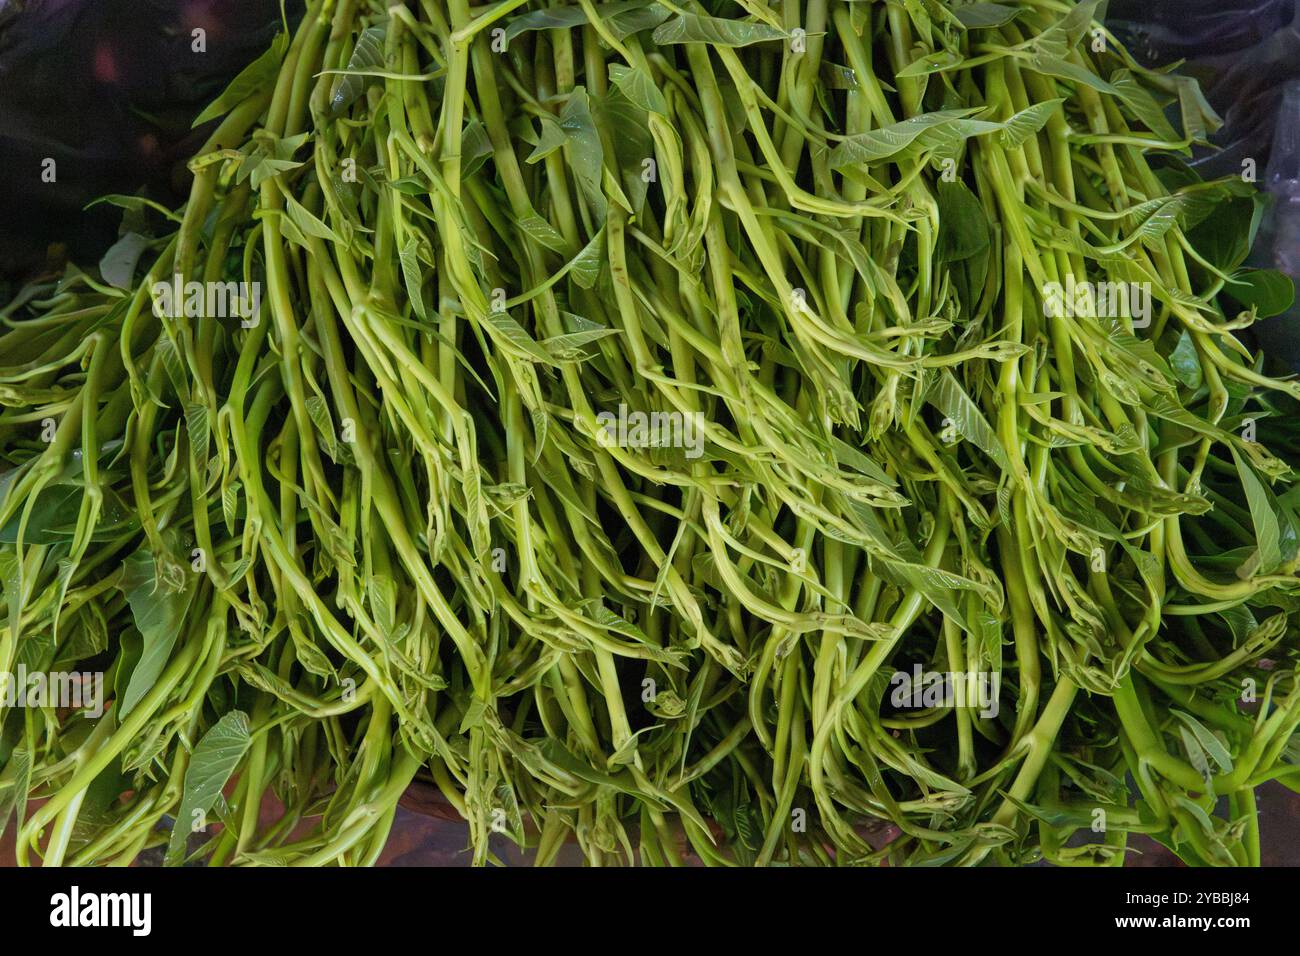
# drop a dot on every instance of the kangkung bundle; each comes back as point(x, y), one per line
point(805, 432)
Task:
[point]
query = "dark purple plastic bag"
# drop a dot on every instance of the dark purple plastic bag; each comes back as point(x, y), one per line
point(107, 89)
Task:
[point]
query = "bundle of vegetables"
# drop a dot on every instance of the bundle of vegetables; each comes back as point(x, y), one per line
point(636, 390)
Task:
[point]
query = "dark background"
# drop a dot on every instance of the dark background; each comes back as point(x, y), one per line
point(108, 88)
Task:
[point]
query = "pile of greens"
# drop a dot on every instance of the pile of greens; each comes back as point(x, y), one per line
point(378, 533)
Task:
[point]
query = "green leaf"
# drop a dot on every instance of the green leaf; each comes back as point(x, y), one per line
point(556, 18)
point(413, 276)
point(1063, 36)
point(1198, 813)
point(196, 423)
point(584, 152)
point(691, 28)
point(515, 337)
point(963, 227)
point(1143, 104)
point(1196, 756)
point(307, 223)
point(986, 16)
point(638, 86)
point(936, 585)
point(230, 504)
point(1164, 216)
point(890, 140)
point(571, 345)
point(1199, 118)
point(172, 364)
point(368, 54)
point(1071, 817)
point(1268, 533)
point(135, 206)
point(627, 22)
point(541, 231)
point(748, 827)
point(554, 752)
point(965, 239)
point(666, 705)
point(626, 754)
point(160, 611)
point(1224, 237)
point(382, 591)
point(628, 128)
point(475, 147)
point(410, 186)
point(551, 139)
point(586, 265)
point(15, 782)
point(1185, 362)
point(1027, 123)
point(1267, 291)
point(263, 678)
point(849, 456)
point(1240, 622)
point(266, 157)
point(621, 19)
point(540, 421)
point(1065, 70)
point(213, 761)
point(937, 62)
point(1212, 744)
point(950, 398)
point(117, 266)
point(255, 78)
point(53, 519)
point(1078, 20)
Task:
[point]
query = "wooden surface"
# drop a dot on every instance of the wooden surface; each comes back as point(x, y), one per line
point(427, 832)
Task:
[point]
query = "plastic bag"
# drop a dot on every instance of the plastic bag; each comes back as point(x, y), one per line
point(106, 90)
point(1246, 56)
point(1279, 237)
point(1242, 52)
